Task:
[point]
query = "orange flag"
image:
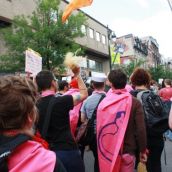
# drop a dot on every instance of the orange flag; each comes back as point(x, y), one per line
point(73, 5)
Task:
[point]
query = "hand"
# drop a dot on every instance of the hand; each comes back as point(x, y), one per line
point(143, 157)
point(76, 70)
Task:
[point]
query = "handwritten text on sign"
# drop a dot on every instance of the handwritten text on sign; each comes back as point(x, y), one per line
point(33, 63)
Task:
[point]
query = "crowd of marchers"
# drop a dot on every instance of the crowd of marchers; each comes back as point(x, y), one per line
point(46, 125)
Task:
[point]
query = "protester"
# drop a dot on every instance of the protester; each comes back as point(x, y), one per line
point(59, 134)
point(63, 87)
point(170, 118)
point(154, 86)
point(88, 109)
point(120, 127)
point(166, 92)
point(75, 112)
point(140, 78)
point(19, 147)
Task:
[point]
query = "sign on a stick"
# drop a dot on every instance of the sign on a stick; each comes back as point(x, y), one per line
point(33, 62)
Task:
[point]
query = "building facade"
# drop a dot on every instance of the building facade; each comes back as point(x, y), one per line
point(132, 48)
point(95, 41)
point(154, 57)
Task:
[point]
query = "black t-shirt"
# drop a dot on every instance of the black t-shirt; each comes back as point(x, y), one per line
point(59, 134)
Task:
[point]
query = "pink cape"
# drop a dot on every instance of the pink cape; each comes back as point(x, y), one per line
point(112, 119)
point(74, 113)
point(31, 157)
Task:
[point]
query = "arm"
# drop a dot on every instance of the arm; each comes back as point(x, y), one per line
point(170, 118)
point(83, 91)
point(83, 112)
point(83, 117)
point(141, 131)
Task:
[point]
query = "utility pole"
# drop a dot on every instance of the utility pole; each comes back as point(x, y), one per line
point(170, 4)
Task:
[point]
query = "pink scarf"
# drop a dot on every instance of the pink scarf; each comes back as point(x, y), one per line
point(74, 113)
point(112, 120)
point(31, 157)
point(47, 93)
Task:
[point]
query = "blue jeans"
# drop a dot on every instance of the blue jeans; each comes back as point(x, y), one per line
point(71, 160)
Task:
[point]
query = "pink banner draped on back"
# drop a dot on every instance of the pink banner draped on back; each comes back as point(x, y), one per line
point(31, 156)
point(112, 119)
point(74, 113)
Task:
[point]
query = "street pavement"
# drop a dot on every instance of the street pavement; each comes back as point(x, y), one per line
point(166, 167)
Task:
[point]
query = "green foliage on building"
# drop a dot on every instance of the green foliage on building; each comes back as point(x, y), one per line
point(43, 32)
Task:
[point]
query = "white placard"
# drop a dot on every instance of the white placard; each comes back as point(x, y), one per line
point(160, 80)
point(33, 62)
point(68, 79)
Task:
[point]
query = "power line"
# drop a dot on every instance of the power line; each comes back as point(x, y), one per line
point(170, 4)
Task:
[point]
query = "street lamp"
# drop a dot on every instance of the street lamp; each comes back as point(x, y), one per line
point(111, 37)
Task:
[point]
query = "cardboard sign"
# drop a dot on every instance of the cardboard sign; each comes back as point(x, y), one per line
point(33, 62)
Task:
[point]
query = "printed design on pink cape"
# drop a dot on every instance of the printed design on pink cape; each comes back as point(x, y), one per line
point(106, 132)
point(74, 113)
point(112, 119)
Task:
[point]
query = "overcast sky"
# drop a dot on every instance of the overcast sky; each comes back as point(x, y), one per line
point(139, 17)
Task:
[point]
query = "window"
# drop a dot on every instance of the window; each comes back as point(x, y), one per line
point(98, 36)
point(103, 39)
point(91, 33)
point(99, 67)
point(95, 66)
point(91, 64)
point(83, 29)
point(83, 63)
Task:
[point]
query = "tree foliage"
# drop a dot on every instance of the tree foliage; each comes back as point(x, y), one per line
point(160, 71)
point(43, 32)
point(129, 68)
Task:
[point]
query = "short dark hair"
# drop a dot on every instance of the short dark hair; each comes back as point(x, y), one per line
point(117, 78)
point(62, 85)
point(17, 100)
point(140, 77)
point(167, 81)
point(98, 85)
point(44, 79)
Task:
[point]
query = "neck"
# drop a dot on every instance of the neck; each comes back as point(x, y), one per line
point(61, 92)
point(100, 89)
point(29, 132)
point(142, 87)
point(168, 86)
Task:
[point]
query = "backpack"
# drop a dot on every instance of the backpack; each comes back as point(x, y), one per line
point(156, 111)
point(86, 133)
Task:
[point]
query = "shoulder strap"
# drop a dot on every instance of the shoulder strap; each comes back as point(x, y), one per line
point(48, 116)
point(101, 98)
point(140, 93)
point(7, 148)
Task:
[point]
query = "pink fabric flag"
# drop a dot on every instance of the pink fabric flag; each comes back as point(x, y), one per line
point(74, 113)
point(112, 119)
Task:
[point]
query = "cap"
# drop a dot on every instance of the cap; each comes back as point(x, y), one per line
point(98, 78)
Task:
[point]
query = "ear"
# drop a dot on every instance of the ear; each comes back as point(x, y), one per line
point(30, 121)
point(54, 85)
point(32, 117)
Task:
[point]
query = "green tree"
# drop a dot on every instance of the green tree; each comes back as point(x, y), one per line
point(43, 32)
point(129, 68)
point(161, 71)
